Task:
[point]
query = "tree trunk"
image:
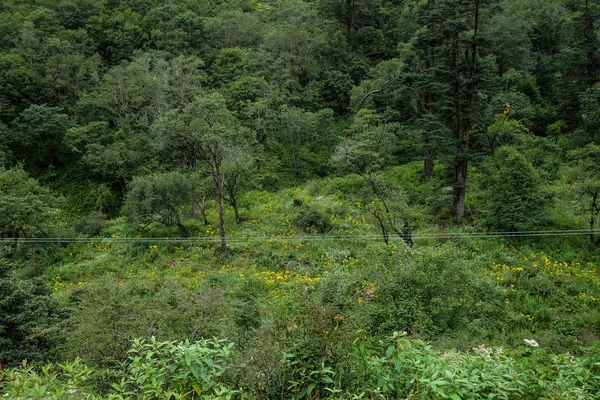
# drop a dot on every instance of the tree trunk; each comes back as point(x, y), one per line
point(593, 217)
point(427, 162)
point(463, 124)
point(178, 222)
point(460, 177)
point(384, 232)
point(405, 235)
point(194, 201)
point(234, 204)
point(203, 210)
point(219, 191)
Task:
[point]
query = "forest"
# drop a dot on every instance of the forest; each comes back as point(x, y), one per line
point(299, 199)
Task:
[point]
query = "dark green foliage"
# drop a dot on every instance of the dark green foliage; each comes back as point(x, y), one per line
point(118, 33)
point(437, 291)
point(114, 313)
point(390, 133)
point(312, 220)
point(38, 137)
point(516, 197)
point(29, 320)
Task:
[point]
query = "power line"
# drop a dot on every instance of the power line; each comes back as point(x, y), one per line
point(252, 238)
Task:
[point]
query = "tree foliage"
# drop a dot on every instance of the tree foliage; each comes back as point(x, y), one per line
point(516, 197)
point(26, 208)
point(157, 198)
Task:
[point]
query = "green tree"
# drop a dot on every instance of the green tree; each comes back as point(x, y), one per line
point(176, 28)
point(363, 152)
point(240, 169)
point(71, 68)
point(38, 136)
point(157, 198)
point(29, 320)
point(516, 197)
point(20, 84)
point(506, 131)
point(118, 33)
point(584, 176)
point(205, 134)
point(450, 56)
point(26, 208)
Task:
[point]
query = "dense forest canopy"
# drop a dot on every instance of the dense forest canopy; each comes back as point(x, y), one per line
point(85, 84)
point(273, 132)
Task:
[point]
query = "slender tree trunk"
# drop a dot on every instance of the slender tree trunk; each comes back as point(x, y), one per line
point(234, 204)
point(407, 237)
point(203, 210)
point(219, 191)
point(460, 173)
point(178, 222)
point(593, 217)
point(427, 161)
point(194, 201)
point(384, 231)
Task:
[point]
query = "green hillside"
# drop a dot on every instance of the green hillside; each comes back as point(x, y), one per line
point(294, 199)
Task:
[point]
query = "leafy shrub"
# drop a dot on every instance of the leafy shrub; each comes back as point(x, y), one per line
point(114, 311)
point(29, 321)
point(313, 220)
point(26, 208)
point(436, 291)
point(68, 381)
point(157, 198)
point(91, 225)
point(176, 370)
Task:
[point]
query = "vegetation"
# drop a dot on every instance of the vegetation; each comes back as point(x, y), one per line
point(299, 199)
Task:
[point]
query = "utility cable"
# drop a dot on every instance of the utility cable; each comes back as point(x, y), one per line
point(241, 239)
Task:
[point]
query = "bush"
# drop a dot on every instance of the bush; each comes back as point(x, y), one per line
point(176, 370)
point(29, 321)
point(433, 292)
point(113, 312)
point(312, 220)
point(91, 225)
point(158, 198)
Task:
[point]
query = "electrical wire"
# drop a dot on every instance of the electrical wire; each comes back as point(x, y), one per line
point(242, 239)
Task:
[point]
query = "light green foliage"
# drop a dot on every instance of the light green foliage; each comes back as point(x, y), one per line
point(303, 139)
point(435, 291)
point(148, 304)
point(506, 131)
point(157, 198)
point(363, 153)
point(176, 370)
point(68, 381)
point(516, 197)
point(383, 82)
point(367, 145)
point(134, 94)
point(393, 368)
